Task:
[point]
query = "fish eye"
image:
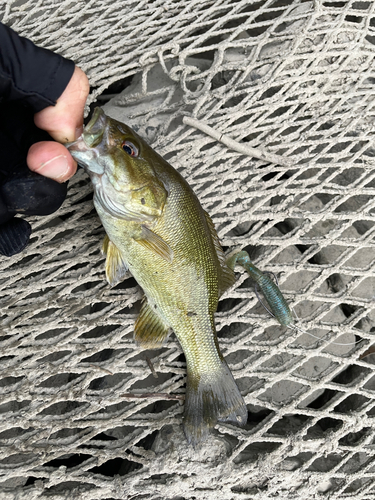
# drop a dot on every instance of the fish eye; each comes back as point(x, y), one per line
point(130, 148)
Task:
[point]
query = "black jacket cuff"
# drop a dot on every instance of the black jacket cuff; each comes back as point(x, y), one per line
point(33, 74)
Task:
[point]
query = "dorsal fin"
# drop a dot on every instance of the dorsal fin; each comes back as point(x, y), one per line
point(227, 276)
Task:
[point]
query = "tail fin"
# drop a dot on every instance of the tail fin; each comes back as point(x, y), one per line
point(210, 398)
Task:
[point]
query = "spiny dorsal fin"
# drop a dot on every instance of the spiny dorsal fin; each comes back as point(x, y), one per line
point(115, 266)
point(150, 331)
point(227, 276)
point(148, 239)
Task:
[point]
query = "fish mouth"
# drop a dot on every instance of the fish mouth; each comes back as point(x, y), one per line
point(92, 134)
point(94, 130)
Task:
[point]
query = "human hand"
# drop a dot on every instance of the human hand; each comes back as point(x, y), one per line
point(64, 123)
point(31, 162)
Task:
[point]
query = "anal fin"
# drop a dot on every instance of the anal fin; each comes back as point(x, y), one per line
point(150, 331)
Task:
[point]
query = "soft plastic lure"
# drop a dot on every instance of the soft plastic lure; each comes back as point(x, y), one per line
point(279, 307)
point(275, 299)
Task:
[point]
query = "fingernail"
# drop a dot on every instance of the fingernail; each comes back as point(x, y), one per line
point(79, 131)
point(56, 168)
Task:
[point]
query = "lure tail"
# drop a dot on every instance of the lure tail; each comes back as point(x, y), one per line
point(212, 397)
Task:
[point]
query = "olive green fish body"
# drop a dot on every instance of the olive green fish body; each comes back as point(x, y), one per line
point(172, 250)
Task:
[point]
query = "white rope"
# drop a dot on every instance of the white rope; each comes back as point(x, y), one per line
point(237, 146)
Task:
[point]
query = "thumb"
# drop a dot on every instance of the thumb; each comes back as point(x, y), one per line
point(52, 160)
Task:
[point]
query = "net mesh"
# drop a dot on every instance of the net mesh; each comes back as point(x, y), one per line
point(86, 414)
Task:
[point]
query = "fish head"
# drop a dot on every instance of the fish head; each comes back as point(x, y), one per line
point(125, 182)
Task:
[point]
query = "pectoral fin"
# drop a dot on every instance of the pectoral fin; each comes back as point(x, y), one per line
point(115, 266)
point(150, 331)
point(148, 239)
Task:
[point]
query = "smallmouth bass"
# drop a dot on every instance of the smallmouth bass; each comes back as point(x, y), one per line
point(158, 230)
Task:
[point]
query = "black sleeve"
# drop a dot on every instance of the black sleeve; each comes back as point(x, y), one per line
point(33, 74)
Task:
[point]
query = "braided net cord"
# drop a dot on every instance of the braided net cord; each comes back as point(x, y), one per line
point(295, 78)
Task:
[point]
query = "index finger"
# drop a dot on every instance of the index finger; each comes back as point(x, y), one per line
point(64, 121)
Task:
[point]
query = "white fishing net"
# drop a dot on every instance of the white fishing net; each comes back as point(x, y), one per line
point(86, 414)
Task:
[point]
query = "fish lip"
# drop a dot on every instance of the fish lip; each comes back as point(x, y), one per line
point(98, 119)
point(91, 136)
point(93, 132)
point(77, 145)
